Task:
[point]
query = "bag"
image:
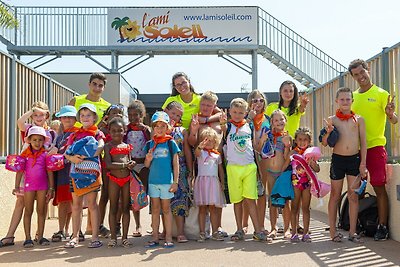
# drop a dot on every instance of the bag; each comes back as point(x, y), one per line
point(138, 196)
point(191, 228)
point(15, 163)
point(367, 221)
point(55, 162)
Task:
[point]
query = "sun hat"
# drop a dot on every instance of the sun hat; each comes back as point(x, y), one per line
point(66, 111)
point(160, 116)
point(38, 131)
point(90, 107)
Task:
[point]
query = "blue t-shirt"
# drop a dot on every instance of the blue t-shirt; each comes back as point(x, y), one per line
point(161, 171)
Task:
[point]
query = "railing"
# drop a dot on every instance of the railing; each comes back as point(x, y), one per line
point(291, 48)
point(8, 35)
point(20, 87)
point(384, 72)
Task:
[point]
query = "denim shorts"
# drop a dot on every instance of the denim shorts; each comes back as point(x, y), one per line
point(160, 191)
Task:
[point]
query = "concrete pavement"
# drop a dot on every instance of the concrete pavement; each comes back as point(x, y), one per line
point(321, 252)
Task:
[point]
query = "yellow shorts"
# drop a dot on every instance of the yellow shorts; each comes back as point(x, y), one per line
point(242, 182)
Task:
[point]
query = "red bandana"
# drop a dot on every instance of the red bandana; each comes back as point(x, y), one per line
point(345, 117)
point(160, 139)
point(28, 153)
point(238, 124)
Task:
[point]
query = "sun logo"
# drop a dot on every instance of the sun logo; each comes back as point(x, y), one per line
point(127, 29)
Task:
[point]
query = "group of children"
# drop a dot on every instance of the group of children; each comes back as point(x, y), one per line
point(178, 168)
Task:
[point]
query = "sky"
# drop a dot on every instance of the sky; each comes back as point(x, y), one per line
point(344, 29)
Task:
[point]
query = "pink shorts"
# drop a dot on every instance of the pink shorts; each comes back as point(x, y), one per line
point(376, 165)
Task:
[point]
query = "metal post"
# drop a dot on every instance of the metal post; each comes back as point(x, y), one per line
point(114, 62)
point(254, 70)
point(50, 94)
point(341, 79)
point(385, 85)
point(12, 115)
point(314, 102)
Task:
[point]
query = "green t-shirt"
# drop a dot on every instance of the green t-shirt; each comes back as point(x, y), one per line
point(188, 108)
point(293, 121)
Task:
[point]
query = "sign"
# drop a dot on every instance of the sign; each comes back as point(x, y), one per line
point(182, 26)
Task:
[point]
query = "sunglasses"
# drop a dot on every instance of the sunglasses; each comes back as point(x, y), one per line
point(261, 100)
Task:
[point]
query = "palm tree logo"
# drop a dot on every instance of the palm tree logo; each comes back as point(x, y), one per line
point(118, 23)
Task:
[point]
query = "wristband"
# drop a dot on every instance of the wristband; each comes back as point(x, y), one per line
point(51, 188)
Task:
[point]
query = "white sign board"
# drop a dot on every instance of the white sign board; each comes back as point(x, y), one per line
point(182, 26)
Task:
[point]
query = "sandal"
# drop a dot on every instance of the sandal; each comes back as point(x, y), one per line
point(337, 238)
point(272, 235)
point(259, 236)
point(168, 244)
point(95, 244)
point(28, 243)
point(71, 244)
point(181, 239)
point(238, 235)
point(202, 237)
point(57, 237)
point(152, 244)
point(44, 242)
point(306, 238)
point(300, 230)
point(9, 243)
point(137, 234)
point(112, 243)
point(103, 231)
point(356, 239)
point(295, 238)
point(126, 243)
point(217, 236)
point(81, 236)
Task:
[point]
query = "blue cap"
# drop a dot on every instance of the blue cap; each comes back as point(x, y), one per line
point(66, 111)
point(160, 116)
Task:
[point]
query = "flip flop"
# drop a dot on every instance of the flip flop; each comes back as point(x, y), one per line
point(152, 244)
point(2, 244)
point(168, 245)
point(95, 244)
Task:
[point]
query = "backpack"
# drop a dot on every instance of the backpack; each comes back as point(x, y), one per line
point(367, 221)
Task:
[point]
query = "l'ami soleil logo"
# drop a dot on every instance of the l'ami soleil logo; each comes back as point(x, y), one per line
point(153, 28)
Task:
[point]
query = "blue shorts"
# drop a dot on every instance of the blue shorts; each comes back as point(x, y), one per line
point(160, 191)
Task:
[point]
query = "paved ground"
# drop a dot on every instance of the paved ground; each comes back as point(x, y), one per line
point(321, 252)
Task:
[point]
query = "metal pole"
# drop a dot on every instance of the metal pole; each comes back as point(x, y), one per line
point(12, 115)
point(254, 72)
point(385, 85)
point(50, 95)
point(314, 102)
point(341, 79)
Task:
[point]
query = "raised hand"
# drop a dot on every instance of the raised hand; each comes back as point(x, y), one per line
point(223, 118)
point(390, 106)
point(303, 99)
point(329, 125)
point(252, 112)
point(195, 124)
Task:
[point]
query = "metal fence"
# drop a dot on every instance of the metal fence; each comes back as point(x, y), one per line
point(384, 71)
point(20, 87)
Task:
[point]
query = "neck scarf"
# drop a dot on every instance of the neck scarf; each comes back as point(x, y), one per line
point(211, 151)
point(278, 134)
point(134, 127)
point(238, 124)
point(258, 120)
point(299, 150)
point(160, 139)
point(345, 117)
point(73, 129)
point(92, 130)
point(28, 153)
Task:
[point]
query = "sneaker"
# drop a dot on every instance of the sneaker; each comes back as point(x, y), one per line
point(382, 233)
point(202, 237)
point(217, 236)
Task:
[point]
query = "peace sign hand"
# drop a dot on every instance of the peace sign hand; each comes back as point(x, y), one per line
point(390, 106)
point(252, 112)
point(194, 125)
point(303, 98)
point(223, 118)
point(329, 125)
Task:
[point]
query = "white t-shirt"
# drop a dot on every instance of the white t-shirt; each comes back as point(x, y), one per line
point(239, 146)
point(208, 164)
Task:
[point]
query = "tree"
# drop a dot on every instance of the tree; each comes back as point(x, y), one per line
point(118, 23)
point(7, 18)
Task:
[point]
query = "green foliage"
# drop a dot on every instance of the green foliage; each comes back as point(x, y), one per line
point(7, 19)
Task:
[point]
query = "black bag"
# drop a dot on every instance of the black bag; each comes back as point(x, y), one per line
point(367, 214)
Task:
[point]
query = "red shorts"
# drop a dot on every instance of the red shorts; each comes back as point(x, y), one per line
point(376, 165)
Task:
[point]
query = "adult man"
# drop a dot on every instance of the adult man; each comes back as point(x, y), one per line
point(375, 105)
point(97, 84)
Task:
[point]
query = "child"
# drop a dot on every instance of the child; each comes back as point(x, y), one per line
point(301, 185)
point(208, 191)
point(87, 116)
point(348, 159)
point(162, 160)
point(137, 135)
point(111, 112)
point(117, 159)
point(38, 183)
point(63, 197)
point(275, 166)
point(261, 125)
point(180, 202)
point(241, 169)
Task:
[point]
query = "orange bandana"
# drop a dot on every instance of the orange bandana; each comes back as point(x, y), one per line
point(73, 129)
point(211, 151)
point(258, 120)
point(276, 135)
point(27, 153)
point(299, 150)
point(238, 124)
point(345, 117)
point(160, 139)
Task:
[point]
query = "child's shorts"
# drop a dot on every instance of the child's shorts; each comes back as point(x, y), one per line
point(160, 191)
point(242, 182)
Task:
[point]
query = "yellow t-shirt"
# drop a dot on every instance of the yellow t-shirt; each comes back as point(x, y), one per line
point(293, 121)
point(101, 106)
point(371, 106)
point(188, 108)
